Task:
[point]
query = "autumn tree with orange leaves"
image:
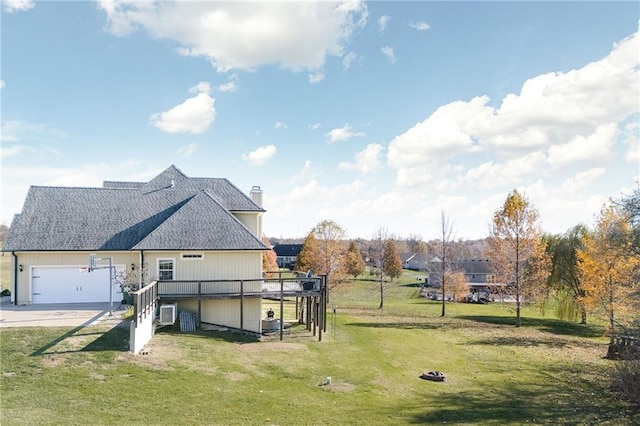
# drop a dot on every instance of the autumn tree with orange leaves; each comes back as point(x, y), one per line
point(607, 264)
point(269, 260)
point(517, 252)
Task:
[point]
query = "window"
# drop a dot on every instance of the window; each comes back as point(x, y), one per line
point(191, 256)
point(165, 269)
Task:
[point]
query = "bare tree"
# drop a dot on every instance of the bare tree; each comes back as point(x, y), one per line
point(331, 239)
point(378, 247)
point(444, 252)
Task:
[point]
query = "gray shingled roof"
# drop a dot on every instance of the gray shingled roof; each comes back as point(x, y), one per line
point(112, 184)
point(153, 216)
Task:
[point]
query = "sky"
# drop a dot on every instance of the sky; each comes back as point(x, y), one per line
point(375, 115)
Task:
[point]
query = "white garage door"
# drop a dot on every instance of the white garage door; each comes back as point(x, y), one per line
point(72, 285)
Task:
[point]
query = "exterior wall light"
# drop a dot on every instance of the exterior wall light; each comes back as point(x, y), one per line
point(133, 266)
point(20, 267)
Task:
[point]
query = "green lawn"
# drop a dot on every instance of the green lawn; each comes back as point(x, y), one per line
point(547, 371)
point(5, 271)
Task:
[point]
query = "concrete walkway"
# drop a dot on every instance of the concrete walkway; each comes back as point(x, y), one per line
point(58, 315)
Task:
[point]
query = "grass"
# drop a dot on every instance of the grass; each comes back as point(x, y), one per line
point(546, 372)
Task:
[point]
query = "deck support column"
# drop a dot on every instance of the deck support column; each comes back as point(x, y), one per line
point(325, 301)
point(315, 313)
point(242, 308)
point(281, 309)
point(199, 303)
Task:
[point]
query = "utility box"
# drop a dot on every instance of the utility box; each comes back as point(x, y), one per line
point(168, 314)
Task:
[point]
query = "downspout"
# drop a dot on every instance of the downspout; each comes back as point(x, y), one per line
point(15, 278)
point(141, 277)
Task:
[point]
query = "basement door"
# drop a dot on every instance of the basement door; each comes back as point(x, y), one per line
point(72, 285)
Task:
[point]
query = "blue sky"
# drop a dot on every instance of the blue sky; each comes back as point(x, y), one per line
point(376, 114)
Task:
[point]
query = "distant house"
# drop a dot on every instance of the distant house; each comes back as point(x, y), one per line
point(476, 271)
point(172, 228)
point(287, 254)
point(414, 261)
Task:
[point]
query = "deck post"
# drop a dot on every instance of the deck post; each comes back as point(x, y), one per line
point(325, 302)
point(281, 309)
point(321, 317)
point(315, 313)
point(308, 319)
point(242, 308)
point(199, 303)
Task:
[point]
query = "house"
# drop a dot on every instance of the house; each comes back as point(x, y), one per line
point(171, 228)
point(476, 271)
point(414, 261)
point(287, 254)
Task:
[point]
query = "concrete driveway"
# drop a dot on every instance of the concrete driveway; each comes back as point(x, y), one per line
point(58, 315)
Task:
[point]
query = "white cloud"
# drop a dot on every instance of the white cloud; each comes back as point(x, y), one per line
point(188, 150)
point(228, 87)
point(15, 130)
point(194, 115)
point(245, 35)
point(314, 126)
point(570, 117)
point(420, 26)
point(491, 175)
point(595, 147)
point(348, 60)
point(633, 153)
point(631, 134)
point(383, 21)
point(11, 151)
point(388, 52)
point(441, 136)
point(316, 77)
point(582, 179)
point(201, 87)
point(10, 6)
point(280, 125)
point(2, 84)
point(342, 134)
point(366, 161)
point(260, 155)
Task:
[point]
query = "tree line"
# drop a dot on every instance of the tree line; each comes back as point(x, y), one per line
point(584, 270)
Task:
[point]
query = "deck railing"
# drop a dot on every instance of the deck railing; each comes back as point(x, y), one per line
point(250, 287)
point(144, 302)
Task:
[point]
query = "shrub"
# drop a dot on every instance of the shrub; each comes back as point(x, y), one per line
point(5, 292)
point(626, 380)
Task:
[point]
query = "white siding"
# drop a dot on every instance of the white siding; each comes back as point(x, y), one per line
point(226, 312)
point(253, 221)
point(215, 265)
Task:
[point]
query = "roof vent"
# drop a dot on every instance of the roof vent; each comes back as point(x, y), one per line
point(173, 183)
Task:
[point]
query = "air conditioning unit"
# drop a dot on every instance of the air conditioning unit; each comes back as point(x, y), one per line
point(168, 314)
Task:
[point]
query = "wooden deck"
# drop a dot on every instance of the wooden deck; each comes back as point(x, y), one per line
point(234, 289)
point(310, 291)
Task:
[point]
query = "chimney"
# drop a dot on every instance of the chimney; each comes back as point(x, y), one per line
point(256, 195)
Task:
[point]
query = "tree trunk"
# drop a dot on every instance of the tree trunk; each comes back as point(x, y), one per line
point(583, 316)
point(443, 286)
point(381, 292)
